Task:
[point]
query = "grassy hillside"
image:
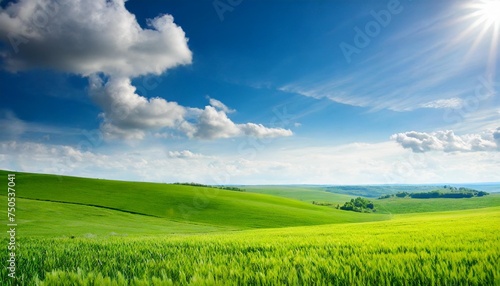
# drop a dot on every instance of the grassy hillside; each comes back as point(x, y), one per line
point(375, 191)
point(77, 231)
point(81, 198)
point(386, 206)
point(49, 219)
point(450, 248)
point(306, 194)
point(408, 205)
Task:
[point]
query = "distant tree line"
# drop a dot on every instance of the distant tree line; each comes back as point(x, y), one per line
point(447, 192)
point(236, 189)
point(359, 204)
point(374, 191)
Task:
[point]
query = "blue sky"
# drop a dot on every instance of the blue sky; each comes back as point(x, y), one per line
point(252, 92)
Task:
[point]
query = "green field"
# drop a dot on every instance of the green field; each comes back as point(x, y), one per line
point(183, 206)
point(306, 194)
point(407, 205)
point(432, 249)
point(385, 206)
point(76, 231)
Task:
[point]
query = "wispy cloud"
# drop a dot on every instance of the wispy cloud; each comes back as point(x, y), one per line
point(415, 68)
point(453, 103)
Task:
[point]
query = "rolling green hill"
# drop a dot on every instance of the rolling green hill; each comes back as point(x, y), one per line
point(50, 201)
point(77, 231)
point(49, 219)
point(306, 194)
point(386, 206)
point(50, 205)
point(374, 191)
point(407, 205)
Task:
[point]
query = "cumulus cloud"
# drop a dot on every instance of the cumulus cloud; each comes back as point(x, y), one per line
point(131, 116)
point(86, 37)
point(220, 106)
point(103, 41)
point(448, 141)
point(185, 154)
point(213, 123)
point(259, 130)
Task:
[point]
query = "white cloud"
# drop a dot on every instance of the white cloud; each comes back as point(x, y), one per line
point(260, 131)
point(128, 115)
point(103, 41)
point(185, 154)
point(447, 141)
point(46, 158)
point(86, 37)
point(213, 123)
point(453, 103)
point(220, 106)
point(355, 163)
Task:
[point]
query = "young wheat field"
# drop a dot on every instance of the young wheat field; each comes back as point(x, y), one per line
point(449, 248)
point(77, 231)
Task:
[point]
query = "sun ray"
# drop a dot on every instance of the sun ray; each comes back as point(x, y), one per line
point(492, 58)
point(483, 17)
point(476, 43)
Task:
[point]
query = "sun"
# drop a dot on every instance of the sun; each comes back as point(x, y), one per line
point(484, 14)
point(489, 12)
point(482, 20)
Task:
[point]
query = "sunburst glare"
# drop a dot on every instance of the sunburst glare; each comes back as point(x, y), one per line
point(484, 20)
point(489, 12)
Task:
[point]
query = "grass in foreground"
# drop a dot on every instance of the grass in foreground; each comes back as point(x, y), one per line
point(450, 248)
